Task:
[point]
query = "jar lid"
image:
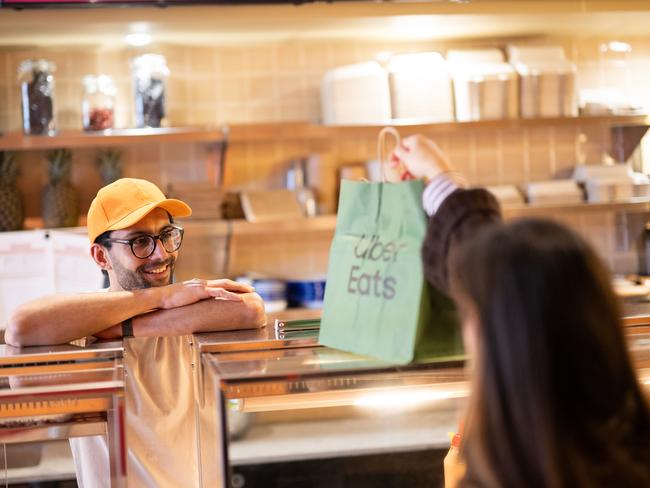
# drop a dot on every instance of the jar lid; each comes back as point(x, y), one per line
point(99, 83)
point(30, 65)
point(150, 65)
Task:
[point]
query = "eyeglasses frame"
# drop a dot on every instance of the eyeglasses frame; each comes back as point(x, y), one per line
point(155, 239)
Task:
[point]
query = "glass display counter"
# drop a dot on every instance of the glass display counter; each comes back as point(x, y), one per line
point(316, 416)
point(285, 413)
point(59, 392)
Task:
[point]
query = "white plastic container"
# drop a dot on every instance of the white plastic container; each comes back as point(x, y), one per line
point(558, 192)
point(587, 172)
point(485, 86)
point(356, 94)
point(547, 81)
point(609, 190)
point(610, 182)
point(420, 87)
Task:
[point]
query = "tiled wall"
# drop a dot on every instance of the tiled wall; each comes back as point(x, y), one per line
point(280, 82)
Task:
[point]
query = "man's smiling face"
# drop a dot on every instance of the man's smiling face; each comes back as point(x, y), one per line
point(129, 272)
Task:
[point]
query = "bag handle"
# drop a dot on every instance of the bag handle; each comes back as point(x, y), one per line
point(382, 155)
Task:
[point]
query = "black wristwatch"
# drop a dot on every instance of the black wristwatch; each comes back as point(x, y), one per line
point(127, 328)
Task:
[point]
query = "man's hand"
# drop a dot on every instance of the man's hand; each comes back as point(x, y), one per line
point(188, 292)
point(114, 332)
point(421, 157)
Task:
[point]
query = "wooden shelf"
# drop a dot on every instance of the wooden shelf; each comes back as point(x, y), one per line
point(288, 131)
point(119, 137)
point(633, 205)
point(34, 223)
point(242, 133)
point(325, 223)
point(314, 224)
point(218, 228)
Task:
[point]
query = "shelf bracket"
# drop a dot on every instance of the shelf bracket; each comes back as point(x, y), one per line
point(225, 132)
point(625, 139)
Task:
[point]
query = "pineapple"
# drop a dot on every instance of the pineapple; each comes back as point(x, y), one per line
point(110, 165)
point(60, 198)
point(11, 204)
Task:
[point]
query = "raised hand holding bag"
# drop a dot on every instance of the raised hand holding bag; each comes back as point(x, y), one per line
point(377, 302)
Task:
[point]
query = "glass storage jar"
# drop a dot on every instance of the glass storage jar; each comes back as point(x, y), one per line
point(37, 96)
point(149, 75)
point(98, 103)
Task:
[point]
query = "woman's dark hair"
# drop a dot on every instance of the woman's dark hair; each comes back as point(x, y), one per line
point(555, 400)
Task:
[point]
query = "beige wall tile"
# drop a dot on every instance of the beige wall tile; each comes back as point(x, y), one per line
point(232, 61)
point(179, 90)
point(177, 116)
point(319, 56)
point(289, 88)
point(512, 157)
point(460, 154)
point(202, 61)
point(343, 55)
point(81, 63)
point(232, 89)
point(294, 111)
point(176, 57)
point(205, 116)
point(260, 89)
point(290, 57)
point(202, 91)
point(262, 59)
point(265, 112)
point(113, 63)
point(233, 112)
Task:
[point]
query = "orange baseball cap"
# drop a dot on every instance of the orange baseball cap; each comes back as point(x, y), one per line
point(127, 201)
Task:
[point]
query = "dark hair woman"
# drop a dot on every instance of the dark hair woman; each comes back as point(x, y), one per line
point(555, 401)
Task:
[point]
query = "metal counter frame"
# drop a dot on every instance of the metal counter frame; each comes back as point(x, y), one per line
point(59, 392)
point(282, 382)
point(259, 372)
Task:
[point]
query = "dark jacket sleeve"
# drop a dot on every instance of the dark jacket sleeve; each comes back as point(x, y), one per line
point(459, 218)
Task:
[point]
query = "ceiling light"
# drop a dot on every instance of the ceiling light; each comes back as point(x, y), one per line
point(616, 47)
point(138, 39)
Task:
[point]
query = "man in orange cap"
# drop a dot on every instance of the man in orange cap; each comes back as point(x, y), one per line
point(135, 242)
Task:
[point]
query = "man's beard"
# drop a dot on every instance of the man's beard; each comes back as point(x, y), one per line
point(136, 279)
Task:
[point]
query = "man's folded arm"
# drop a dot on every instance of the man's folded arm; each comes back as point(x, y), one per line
point(203, 316)
point(61, 318)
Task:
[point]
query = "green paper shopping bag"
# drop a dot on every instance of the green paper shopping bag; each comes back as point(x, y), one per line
point(377, 302)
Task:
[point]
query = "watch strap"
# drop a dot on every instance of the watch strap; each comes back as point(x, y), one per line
point(127, 328)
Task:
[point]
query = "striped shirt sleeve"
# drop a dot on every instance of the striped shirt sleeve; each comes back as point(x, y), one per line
point(439, 188)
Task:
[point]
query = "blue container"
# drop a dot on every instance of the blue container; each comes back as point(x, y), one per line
point(306, 294)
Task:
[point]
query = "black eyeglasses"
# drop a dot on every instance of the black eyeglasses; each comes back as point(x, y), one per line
point(143, 246)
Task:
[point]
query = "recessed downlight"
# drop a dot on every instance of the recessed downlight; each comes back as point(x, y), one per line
point(137, 39)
